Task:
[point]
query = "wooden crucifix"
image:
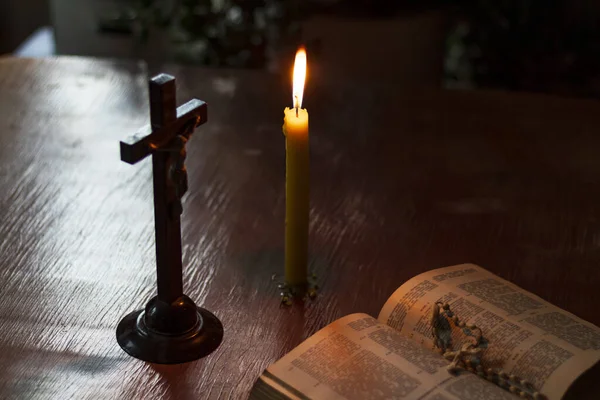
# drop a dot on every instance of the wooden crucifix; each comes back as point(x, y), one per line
point(171, 329)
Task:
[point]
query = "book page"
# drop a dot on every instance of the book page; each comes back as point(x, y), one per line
point(528, 336)
point(358, 357)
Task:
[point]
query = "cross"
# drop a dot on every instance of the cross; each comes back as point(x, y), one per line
point(165, 139)
point(171, 328)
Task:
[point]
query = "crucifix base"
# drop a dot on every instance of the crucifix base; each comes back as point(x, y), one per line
point(172, 333)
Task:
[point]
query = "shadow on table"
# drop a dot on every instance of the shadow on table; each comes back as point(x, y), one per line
point(176, 385)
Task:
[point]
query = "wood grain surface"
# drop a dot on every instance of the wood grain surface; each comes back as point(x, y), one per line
point(402, 182)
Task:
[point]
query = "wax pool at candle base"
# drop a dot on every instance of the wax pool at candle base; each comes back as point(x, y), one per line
point(295, 129)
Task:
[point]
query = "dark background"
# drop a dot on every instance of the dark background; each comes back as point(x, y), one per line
point(548, 46)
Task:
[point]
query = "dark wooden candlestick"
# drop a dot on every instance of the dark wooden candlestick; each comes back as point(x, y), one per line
point(171, 329)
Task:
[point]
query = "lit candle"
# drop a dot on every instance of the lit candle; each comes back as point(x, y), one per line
point(295, 129)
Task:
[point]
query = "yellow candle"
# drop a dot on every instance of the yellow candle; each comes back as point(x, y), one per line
point(295, 129)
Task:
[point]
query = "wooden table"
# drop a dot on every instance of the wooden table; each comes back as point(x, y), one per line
point(402, 182)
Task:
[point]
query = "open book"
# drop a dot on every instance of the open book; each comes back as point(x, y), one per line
point(393, 356)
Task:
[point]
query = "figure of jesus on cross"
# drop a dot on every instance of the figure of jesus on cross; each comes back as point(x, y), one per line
point(171, 329)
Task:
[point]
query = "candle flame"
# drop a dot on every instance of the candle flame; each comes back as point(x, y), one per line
point(299, 77)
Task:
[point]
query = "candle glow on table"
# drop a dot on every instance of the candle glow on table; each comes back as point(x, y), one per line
point(295, 129)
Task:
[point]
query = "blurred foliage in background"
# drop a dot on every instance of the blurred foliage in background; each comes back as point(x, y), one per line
point(234, 33)
point(531, 45)
point(231, 33)
point(528, 45)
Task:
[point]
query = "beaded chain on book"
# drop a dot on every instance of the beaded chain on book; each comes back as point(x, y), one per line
point(468, 357)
